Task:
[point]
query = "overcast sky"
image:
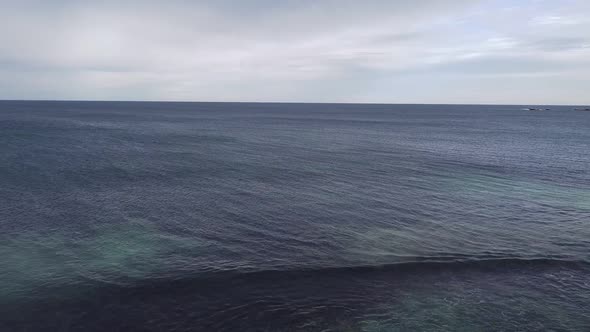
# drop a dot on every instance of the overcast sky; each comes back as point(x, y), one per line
point(385, 51)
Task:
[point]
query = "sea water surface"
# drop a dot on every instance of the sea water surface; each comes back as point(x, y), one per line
point(132, 216)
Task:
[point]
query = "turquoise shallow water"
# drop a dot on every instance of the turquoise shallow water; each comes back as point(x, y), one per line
point(289, 217)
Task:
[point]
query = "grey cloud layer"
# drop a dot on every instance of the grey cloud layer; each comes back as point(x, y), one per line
point(343, 51)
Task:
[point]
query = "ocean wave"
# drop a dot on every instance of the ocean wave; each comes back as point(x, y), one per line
point(324, 298)
point(421, 265)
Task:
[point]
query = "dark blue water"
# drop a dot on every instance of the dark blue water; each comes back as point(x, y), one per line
point(293, 217)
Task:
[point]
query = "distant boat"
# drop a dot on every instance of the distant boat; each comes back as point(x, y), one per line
point(536, 109)
point(582, 109)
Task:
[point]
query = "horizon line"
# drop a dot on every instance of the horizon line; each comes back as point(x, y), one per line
point(279, 102)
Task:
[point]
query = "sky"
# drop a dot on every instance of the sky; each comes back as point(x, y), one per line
point(362, 51)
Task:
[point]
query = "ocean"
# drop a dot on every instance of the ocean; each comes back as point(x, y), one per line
point(155, 216)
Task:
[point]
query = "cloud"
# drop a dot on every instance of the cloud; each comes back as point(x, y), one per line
point(279, 50)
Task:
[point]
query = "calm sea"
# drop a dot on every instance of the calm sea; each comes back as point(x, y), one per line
point(132, 216)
